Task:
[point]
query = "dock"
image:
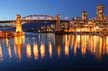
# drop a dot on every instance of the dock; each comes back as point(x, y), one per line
point(4, 34)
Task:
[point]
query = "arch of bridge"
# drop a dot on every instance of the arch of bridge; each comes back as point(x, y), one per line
point(38, 17)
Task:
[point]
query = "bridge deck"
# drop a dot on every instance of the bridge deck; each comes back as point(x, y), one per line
point(10, 21)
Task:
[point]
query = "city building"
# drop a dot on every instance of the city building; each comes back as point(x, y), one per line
point(100, 13)
point(84, 16)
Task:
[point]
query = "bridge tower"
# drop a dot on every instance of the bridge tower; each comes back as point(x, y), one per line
point(18, 24)
point(58, 26)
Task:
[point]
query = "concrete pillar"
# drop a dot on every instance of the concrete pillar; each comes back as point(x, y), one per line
point(18, 24)
point(58, 26)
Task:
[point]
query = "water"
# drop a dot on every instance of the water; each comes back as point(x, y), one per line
point(54, 52)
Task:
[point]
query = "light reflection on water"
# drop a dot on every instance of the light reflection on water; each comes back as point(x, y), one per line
point(35, 51)
point(48, 45)
point(1, 55)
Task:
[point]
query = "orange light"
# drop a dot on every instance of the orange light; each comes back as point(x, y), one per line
point(50, 49)
point(1, 55)
point(42, 50)
point(28, 50)
point(35, 51)
point(58, 50)
point(9, 51)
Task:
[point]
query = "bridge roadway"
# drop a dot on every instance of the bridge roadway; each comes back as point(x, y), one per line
point(11, 21)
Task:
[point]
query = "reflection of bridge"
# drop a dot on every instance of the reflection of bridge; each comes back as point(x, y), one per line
point(42, 45)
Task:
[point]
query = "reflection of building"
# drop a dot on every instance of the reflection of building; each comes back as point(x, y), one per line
point(65, 45)
point(50, 49)
point(35, 51)
point(1, 53)
point(58, 40)
point(100, 12)
point(96, 45)
point(67, 40)
point(28, 50)
point(42, 50)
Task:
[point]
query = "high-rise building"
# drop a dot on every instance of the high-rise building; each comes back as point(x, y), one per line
point(100, 12)
point(84, 16)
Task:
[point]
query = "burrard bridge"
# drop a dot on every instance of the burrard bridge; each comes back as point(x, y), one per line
point(36, 18)
point(29, 19)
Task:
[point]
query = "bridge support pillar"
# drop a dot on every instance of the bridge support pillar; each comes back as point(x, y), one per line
point(18, 24)
point(19, 30)
point(57, 25)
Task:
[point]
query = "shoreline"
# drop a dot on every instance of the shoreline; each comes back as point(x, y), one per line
point(77, 33)
point(11, 34)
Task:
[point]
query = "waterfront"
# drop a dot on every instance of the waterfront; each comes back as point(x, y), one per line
point(47, 51)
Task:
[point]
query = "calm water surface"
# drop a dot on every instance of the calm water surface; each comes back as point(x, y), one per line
point(54, 52)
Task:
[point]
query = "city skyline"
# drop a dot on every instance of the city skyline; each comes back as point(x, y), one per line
point(70, 8)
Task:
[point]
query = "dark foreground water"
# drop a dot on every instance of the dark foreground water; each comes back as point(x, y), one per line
point(41, 52)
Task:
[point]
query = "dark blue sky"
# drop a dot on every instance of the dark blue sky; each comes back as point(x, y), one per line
point(71, 8)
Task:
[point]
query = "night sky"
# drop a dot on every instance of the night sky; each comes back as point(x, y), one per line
point(71, 8)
